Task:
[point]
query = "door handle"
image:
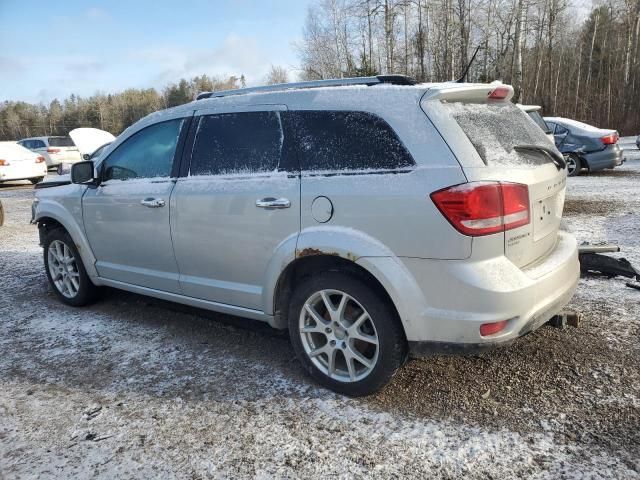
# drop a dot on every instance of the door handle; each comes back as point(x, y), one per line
point(270, 202)
point(152, 202)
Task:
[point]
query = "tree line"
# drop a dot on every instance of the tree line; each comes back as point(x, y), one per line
point(581, 65)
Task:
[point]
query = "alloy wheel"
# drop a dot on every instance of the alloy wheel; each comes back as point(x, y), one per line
point(63, 269)
point(339, 336)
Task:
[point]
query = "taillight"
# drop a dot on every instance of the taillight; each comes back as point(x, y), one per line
point(53, 150)
point(610, 139)
point(484, 208)
point(4, 163)
point(39, 159)
point(500, 93)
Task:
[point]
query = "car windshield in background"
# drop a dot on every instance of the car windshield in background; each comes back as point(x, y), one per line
point(61, 142)
point(536, 117)
point(495, 129)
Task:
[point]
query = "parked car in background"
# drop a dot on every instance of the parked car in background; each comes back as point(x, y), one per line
point(18, 163)
point(638, 142)
point(585, 146)
point(91, 142)
point(534, 113)
point(374, 223)
point(55, 150)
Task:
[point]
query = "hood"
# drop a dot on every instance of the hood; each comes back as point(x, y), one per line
point(88, 140)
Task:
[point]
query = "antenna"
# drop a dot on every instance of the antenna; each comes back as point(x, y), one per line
point(463, 78)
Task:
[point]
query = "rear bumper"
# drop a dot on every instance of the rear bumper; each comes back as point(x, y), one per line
point(17, 171)
point(610, 157)
point(459, 296)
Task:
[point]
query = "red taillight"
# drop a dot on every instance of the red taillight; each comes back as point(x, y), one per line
point(4, 163)
point(53, 150)
point(500, 93)
point(39, 159)
point(492, 328)
point(483, 208)
point(610, 139)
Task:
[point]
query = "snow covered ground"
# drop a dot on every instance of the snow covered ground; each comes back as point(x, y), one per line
point(136, 387)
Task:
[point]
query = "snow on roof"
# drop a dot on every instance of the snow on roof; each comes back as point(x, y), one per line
point(568, 122)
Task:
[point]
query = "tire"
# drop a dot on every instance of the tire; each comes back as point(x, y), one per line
point(574, 165)
point(1, 214)
point(76, 293)
point(36, 180)
point(380, 324)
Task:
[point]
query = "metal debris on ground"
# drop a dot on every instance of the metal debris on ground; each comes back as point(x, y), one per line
point(592, 261)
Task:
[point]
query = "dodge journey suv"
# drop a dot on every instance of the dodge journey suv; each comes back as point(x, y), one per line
point(375, 218)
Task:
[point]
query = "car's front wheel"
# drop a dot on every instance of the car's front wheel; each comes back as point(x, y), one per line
point(574, 165)
point(345, 333)
point(65, 270)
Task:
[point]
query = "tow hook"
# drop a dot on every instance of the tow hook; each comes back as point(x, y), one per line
point(564, 319)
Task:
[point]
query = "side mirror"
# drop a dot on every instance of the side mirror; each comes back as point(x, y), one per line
point(86, 156)
point(82, 172)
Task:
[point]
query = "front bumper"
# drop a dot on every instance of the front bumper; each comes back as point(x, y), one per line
point(460, 296)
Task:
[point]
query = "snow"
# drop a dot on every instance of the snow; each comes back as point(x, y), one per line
point(137, 388)
point(495, 129)
point(579, 125)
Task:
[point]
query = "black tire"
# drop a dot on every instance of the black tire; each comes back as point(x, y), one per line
point(36, 180)
point(392, 344)
point(87, 292)
point(577, 161)
point(1, 214)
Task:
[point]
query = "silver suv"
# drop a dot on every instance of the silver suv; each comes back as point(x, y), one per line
point(374, 218)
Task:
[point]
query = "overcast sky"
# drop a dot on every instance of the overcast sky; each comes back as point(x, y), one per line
point(51, 49)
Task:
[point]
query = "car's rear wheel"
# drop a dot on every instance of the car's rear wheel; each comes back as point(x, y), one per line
point(574, 165)
point(65, 270)
point(35, 180)
point(345, 334)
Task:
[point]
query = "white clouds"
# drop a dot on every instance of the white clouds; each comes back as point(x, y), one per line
point(236, 55)
point(96, 14)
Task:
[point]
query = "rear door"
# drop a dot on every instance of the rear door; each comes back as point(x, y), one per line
point(483, 133)
point(236, 202)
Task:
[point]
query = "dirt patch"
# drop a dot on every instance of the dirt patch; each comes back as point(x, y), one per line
point(582, 206)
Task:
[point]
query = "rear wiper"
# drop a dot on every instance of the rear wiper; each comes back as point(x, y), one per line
point(555, 157)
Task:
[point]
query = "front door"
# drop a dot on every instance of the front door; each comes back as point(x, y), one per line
point(127, 217)
point(238, 202)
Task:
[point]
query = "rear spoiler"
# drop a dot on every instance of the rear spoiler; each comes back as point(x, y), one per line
point(469, 92)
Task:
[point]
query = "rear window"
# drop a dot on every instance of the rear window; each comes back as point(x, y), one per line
point(536, 117)
point(495, 128)
point(61, 142)
point(345, 140)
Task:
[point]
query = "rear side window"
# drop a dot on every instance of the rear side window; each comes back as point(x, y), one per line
point(345, 140)
point(536, 117)
point(495, 128)
point(61, 142)
point(244, 142)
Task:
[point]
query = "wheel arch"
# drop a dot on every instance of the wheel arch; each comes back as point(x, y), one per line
point(51, 218)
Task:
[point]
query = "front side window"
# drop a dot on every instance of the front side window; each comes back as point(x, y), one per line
point(243, 142)
point(345, 140)
point(146, 154)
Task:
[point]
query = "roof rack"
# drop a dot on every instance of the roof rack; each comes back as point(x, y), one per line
point(338, 82)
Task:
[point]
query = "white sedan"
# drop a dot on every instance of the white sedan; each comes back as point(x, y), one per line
point(18, 163)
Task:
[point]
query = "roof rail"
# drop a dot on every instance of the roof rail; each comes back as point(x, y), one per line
point(338, 82)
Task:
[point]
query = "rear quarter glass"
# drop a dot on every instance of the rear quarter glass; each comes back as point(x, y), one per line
point(495, 128)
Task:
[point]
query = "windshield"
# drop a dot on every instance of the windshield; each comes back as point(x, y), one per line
point(495, 129)
point(61, 142)
point(536, 117)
